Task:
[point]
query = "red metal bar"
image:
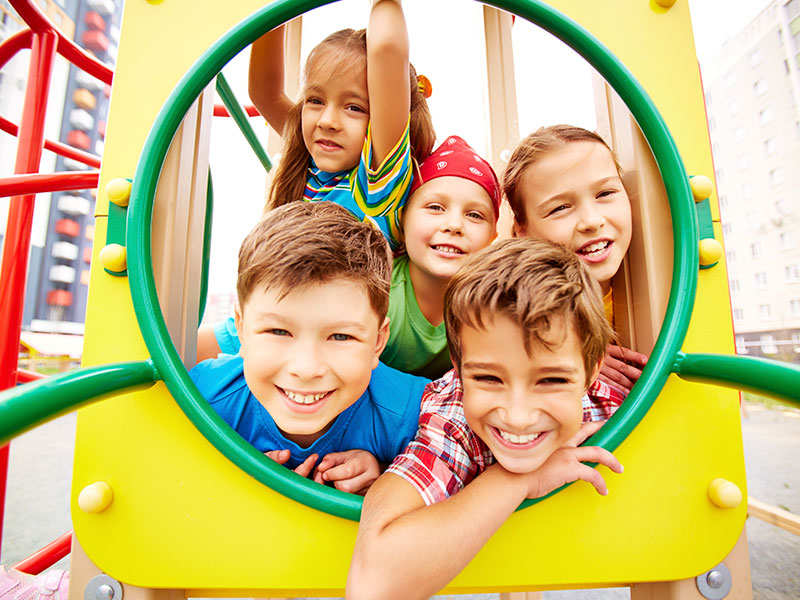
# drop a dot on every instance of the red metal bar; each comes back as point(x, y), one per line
point(48, 182)
point(20, 216)
point(19, 41)
point(25, 376)
point(47, 556)
point(62, 149)
point(221, 111)
point(39, 23)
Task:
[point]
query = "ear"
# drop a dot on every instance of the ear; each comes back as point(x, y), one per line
point(519, 231)
point(237, 321)
point(595, 372)
point(383, 338)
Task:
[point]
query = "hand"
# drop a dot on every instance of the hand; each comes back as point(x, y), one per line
point(351, 471)
point(566, 465)
point(303, 469)
point(622, 367)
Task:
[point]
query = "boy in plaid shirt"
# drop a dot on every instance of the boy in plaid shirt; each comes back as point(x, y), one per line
point(527, 333)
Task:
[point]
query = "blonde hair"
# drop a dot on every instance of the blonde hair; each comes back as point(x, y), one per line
point(342, 50)
point(530, 282)
point(532, 149)
point(304, 243)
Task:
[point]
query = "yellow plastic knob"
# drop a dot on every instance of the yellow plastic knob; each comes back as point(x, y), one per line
point(114, 258)
point(119, 192)
point(96, 497)
point(710, 251)
point(665, 3)
point(702, 187)
point(724, 493)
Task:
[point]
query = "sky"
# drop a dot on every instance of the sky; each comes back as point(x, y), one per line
point(436, 30)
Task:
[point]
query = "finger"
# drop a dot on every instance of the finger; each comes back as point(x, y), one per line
point(599, 455)
point(586, 431)
point(593, 476)
point(305, 467)
point(358, 484)
point(631, 356)
point(617, 374)
point(342, 472)
point(279, 456)
point(614, 384)
point(318, 477)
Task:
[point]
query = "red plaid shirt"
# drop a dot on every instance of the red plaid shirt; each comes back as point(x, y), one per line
point(446, 454)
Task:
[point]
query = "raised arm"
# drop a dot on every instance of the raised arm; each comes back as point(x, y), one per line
point(265, 78)
point(387, 76)
point(406, 549)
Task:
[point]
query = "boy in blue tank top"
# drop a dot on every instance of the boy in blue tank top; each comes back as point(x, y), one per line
point(306, 387)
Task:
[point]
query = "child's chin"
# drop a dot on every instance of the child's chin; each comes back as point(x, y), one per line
point(520, 466)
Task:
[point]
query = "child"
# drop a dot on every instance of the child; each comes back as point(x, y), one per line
point(527, 333)
point(313, 290)
point(564, 184)
point(451, 214)
point(347, 138)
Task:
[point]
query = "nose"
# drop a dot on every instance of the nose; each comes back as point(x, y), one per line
point(453, 222)
point(304, 361)
point(590, 218)
point(329, 119)
point(520, 411)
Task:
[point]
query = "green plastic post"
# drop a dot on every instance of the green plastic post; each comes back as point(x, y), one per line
point(240, 118)
point(26, 406)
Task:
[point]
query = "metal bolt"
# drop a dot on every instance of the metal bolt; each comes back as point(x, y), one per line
point(106, 592)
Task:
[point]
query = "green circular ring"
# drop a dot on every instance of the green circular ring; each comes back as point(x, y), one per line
point(151, 320)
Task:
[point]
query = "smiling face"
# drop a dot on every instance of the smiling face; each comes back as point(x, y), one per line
point(575, 197)
point(524, 407)
point(446, 220)
point(309, 355)
point(335, 115)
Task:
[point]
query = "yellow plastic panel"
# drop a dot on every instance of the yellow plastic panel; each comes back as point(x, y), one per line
point(183, 516)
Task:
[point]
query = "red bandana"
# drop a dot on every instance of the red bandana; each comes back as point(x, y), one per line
point(455, 158)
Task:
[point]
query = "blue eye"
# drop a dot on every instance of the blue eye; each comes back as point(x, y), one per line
point(279, 332)
point(341, 337)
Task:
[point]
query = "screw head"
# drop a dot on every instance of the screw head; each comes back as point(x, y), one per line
point(104, 592)
point(715, 579)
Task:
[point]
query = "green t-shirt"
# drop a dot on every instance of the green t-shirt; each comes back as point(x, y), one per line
point(415, 346)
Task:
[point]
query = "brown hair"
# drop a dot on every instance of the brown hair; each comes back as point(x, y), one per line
point(315, 242)
point(344, 49)
point(528, 281)
point(533, 148)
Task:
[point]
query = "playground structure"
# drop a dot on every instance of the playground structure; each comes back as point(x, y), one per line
point(166, 504)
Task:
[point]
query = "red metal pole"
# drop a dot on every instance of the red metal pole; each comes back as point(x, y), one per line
point(20, 216)
point(48, 182)
point(47, 556)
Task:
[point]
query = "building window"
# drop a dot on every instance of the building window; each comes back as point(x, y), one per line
point(759, 87)
point(752, 220)
point(718, 174)
point(738, 314)
point(747, 191)
point(765, 312)
point(708, 98)
point(796, 342)
point(712, 124)
point(791, 273)
point(726, 229)
point(766, 116)
point(734, 107)
point(776, 176)
point(782, 207)
point(792, 9)
point(771, 146)
point(768, 344)
point(742, 162)
point(734, 286)
point(761, 281)
point(787, 240)
point(755, 57)
point(723, 202)
point(756, 250)
point(730, 256)
point(738, 134)
point(794, 307)
point(741, 346)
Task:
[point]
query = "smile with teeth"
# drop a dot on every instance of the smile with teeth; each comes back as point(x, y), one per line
point(519, 439)
point(594, 249)
point(448, 249)
point(304, 398)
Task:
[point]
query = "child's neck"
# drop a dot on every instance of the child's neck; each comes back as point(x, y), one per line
point(429, 292)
